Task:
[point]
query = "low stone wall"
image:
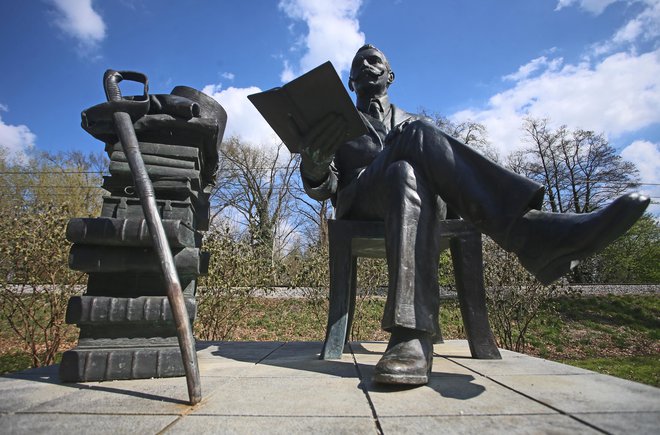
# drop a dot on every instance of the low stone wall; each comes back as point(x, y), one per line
point(593, 289)
point(617, 289)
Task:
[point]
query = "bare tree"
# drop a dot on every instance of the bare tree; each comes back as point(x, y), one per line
point(541, 161)
point(579, 169)
point(254, 185)
point(469, 132)
point(313, 215)
point(71, 178)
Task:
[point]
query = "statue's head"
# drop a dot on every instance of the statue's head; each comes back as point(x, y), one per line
point(370, 72)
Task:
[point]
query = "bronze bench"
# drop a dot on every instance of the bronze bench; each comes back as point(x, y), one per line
point(350, 239)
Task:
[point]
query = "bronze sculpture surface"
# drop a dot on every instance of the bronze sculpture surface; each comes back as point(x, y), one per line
point(132, 314)
point(409, 174)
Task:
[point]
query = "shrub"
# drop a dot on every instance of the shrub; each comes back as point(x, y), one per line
point(35, 280)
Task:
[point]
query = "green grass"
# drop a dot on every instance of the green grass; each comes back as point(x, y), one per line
point(644, 369)
point(638, 312)
point(623, 320)
point(303, 319)
point(14, 362)
point(617, 335)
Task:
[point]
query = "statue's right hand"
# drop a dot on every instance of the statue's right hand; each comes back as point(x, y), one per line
point(319, 145)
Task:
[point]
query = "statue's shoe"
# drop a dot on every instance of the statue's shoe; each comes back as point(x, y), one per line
point(408, 359)
point(556, 242)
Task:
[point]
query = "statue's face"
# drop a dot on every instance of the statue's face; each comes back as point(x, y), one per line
point(370, 74)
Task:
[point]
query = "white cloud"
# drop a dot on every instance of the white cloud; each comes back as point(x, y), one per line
point(17, 140)
point(333, 34)
point(78, 19)
point(615, 89)
point(595, 7)
point(646, 156)
point(243, 120)
point(642, 28)
point(532, 66)
point(617, 95)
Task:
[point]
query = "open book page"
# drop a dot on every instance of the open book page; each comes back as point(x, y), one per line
point(291, 110)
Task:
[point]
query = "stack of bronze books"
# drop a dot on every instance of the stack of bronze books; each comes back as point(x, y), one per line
point(125, 321)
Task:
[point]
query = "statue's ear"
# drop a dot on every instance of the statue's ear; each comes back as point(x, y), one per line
point(350, 85)
point(390, 77)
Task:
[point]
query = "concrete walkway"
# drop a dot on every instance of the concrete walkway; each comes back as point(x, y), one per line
point(269, 387)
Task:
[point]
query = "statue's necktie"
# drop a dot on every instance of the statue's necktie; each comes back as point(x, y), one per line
point(375, 111)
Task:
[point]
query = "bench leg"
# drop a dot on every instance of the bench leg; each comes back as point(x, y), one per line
point(467, 258)
point(352, 297)
point(342, 272)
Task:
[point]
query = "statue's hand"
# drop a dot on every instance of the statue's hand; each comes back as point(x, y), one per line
point(319, 145)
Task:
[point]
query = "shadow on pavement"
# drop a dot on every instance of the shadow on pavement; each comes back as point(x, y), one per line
point(49, 375)
point(305, 356)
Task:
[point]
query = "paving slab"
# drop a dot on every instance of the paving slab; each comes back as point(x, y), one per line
point(450, 348)
point(285, 360)
point(83, 424)
point(624, 423)
point(298, 348)
point(451, 394)
point(305, 368)
point(314, 368)
point(277, 387)
point(236, 351)
point(452, 389)
point(23, 392)
point(302, 359)
point(486, 424)
point(518, 364)
point(250, 425)
point(585, 393)
point(368, 346)
point(40, 372)
point(340, 397)
point(144, 396)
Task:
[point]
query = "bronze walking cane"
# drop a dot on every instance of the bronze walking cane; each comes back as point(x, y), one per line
point(122, 111)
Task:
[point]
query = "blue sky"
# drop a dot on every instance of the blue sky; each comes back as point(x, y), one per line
point(593, 64)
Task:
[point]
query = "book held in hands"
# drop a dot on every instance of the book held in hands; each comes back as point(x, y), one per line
point(293, 109)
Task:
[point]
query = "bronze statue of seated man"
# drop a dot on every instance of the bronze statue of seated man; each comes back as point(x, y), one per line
point(408, 173)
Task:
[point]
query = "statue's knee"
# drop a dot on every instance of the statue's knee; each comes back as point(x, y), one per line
point(422, 124)
point(415, 137)
point(421, 127)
